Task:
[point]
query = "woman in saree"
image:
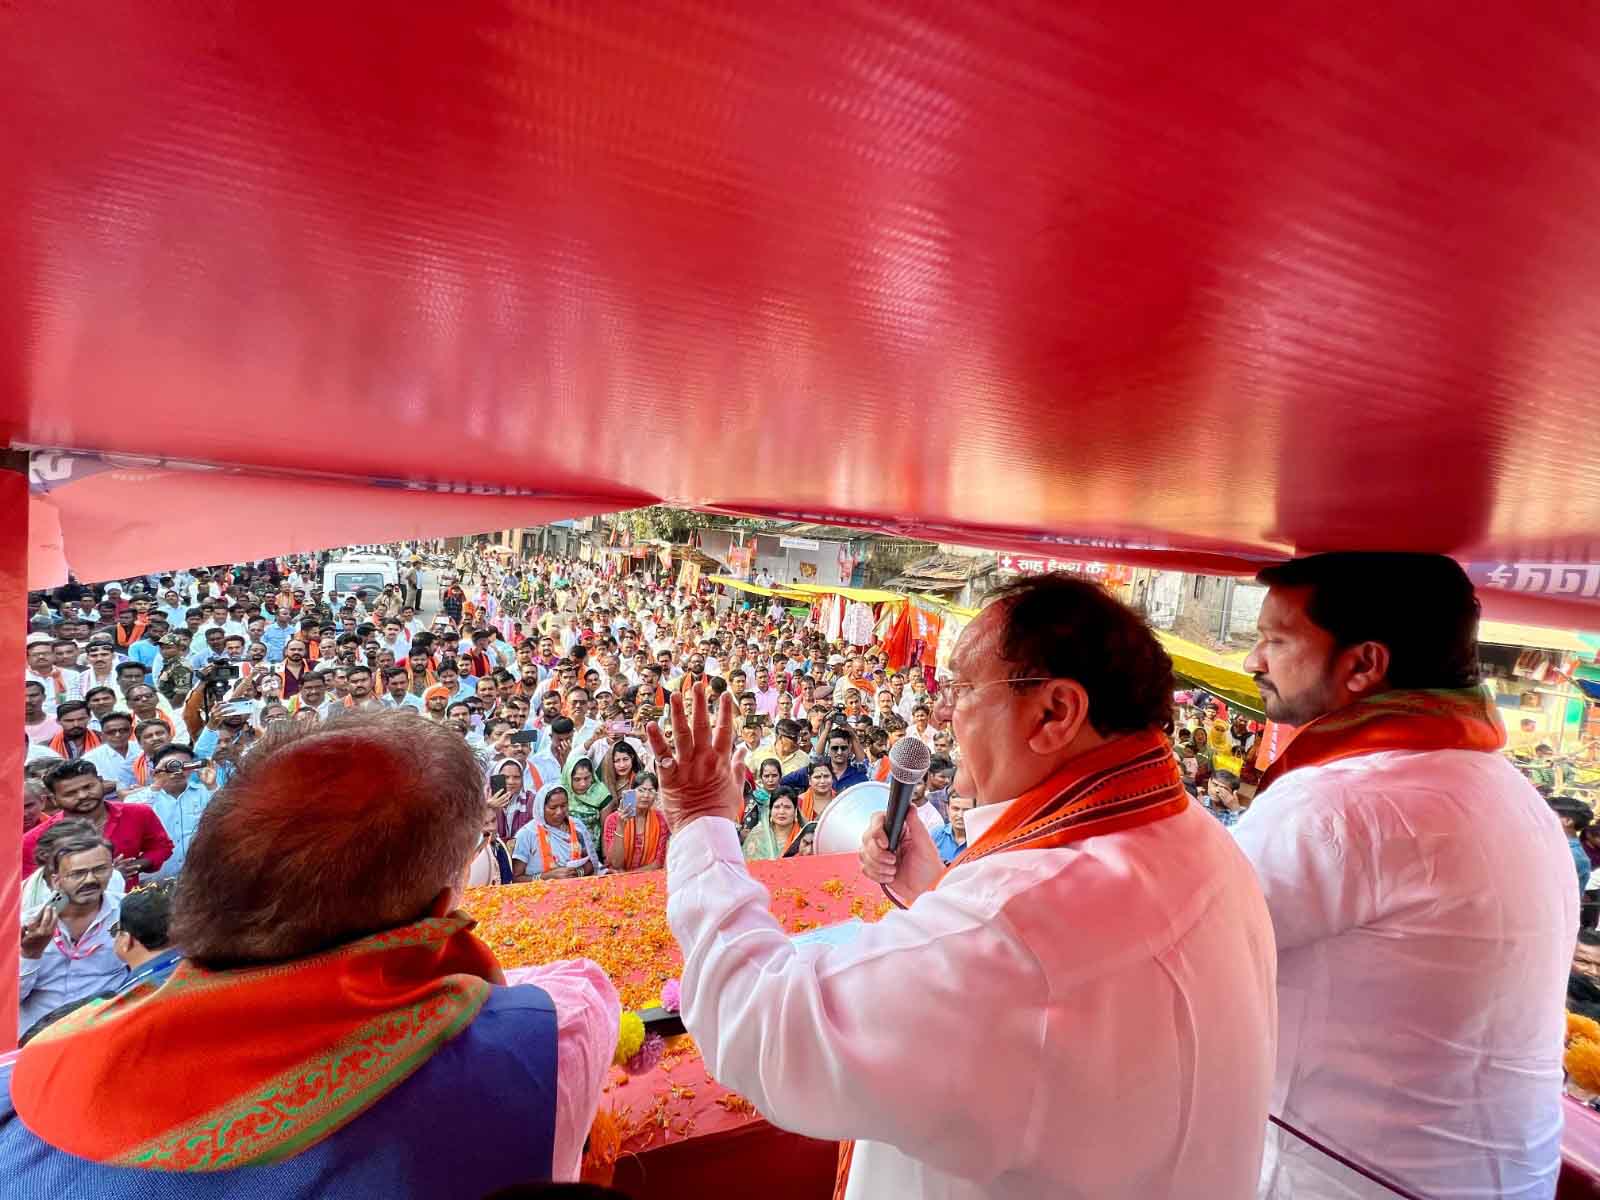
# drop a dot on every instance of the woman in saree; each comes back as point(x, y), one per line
point(589, 800)
point(552, 845)
point(769, 775)
point(636, 835)
point(491, 863)
point(510, 799)
point(773, 837)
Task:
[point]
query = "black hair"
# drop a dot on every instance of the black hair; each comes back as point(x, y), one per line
point(169, 749)
point(56, 1013)
point(67, 707)
point(788, 727)
point(1426, 612)
point(130, 664)
point(146, 912)
point(1226, 778)
point(560, 725)
point(73, 842)
point(75, 769)
point(940, 763)
point(1062, 627)
point(66, 827)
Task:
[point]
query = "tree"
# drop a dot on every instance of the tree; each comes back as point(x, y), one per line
point(676, 524)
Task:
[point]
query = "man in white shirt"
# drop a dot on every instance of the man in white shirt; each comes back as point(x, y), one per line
point(1097, 973)
point(114, 757)
point(1421, 892)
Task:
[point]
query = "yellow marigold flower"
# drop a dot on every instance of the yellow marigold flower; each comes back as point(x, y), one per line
point(1583, 1065)
point(1582, 1029)
point(630, 1036)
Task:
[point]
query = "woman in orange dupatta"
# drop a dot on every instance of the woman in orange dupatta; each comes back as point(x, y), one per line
point(637, 840)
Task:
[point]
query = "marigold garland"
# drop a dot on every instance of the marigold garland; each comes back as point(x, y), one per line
point(1582, 1061)
point(1582, 1029)
point(623, 929)
point(612, 1127)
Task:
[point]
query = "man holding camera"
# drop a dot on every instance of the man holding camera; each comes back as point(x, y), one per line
point(177, 797)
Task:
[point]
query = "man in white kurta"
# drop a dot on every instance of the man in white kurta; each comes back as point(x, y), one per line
point(1089, 1020)
point(1422, 897)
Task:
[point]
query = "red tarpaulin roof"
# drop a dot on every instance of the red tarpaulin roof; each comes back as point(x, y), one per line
point(1208, 287)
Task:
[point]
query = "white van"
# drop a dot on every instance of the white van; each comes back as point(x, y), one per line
point(364, 574)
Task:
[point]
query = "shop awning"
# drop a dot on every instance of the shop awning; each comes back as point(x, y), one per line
point(753, 589)
point(865, 595)
point(1220, 674)
point(1533, 637)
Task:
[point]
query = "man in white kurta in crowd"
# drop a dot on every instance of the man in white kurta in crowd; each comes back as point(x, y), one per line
point(1420, 889)
point(1082, 1007)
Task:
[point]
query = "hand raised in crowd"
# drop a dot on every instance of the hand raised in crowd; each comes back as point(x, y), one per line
point(696, 778)
point(914, 870)
point(130, 866)
point(36, 934)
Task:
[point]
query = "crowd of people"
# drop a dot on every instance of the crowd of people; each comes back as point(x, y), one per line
point(143, 697)
point(147, 700)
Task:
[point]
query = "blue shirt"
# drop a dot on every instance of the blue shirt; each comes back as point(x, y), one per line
point(944, 841)
point(855, 773)
point(58, 977)
point(275, 637)
point(1581, 861)
point(180, 817)
point(1228, 819)
point(155, 971)
point(147, 654)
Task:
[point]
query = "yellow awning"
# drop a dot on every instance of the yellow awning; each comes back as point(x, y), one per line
point(1220, 674)
point(865, 595)
point(1534, 637)
point(945, 605)
point(755, 589)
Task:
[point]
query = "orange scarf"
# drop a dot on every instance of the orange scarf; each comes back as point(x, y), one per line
point(141, 770)
point(547, 856)
point(1125, 783)
point(654, 831)
point(1420, 719)
point(807, 805)
point(366, 1014)
point(127, 637)
point(91, 739)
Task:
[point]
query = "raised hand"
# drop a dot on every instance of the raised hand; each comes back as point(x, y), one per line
point(695, 771)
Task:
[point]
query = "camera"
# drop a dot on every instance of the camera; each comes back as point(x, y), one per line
point(217, 674)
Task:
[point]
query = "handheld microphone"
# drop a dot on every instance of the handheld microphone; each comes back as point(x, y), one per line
point(909, 759)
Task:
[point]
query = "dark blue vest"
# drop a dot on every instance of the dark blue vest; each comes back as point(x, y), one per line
point(477, 1116)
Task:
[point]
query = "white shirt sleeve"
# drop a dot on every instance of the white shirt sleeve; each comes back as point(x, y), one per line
point(1315, 875)
point(865, 1040)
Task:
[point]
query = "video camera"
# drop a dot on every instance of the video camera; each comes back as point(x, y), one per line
point(218, 673)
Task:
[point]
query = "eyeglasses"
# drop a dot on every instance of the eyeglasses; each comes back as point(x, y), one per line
point(956, 689)
point(87, 873)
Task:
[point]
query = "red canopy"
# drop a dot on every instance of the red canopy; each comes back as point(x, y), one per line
point(1203, 290)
